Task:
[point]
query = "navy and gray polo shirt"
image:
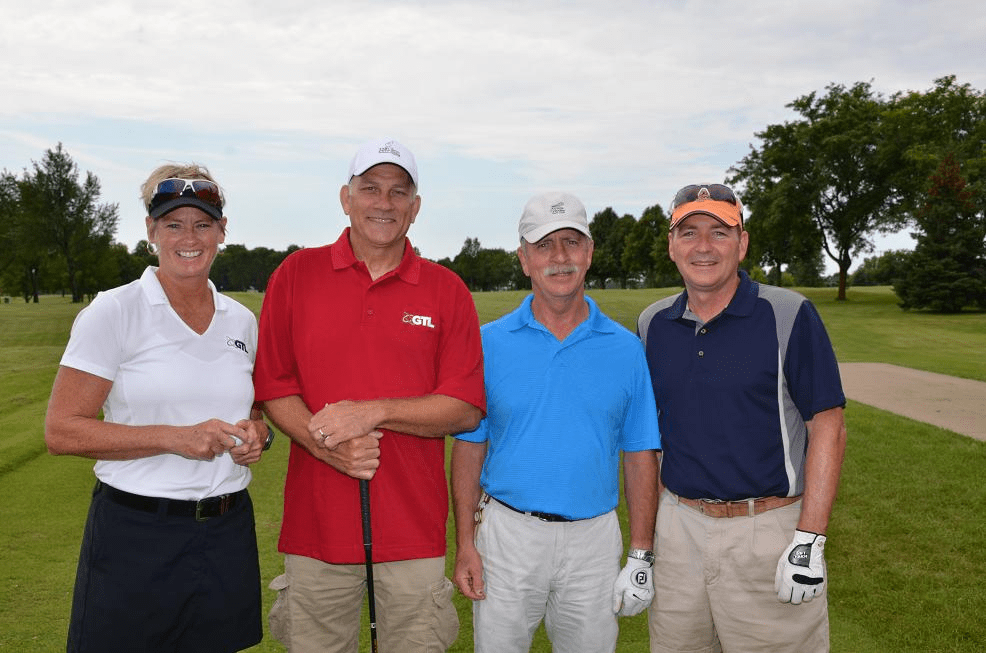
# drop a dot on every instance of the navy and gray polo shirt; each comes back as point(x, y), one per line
point(733, 394)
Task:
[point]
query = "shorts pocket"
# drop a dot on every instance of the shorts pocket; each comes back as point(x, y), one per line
point(445, 620)
point(279, 618)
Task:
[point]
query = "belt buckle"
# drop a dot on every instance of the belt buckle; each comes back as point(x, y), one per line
point(702, 503)
point(224, 503)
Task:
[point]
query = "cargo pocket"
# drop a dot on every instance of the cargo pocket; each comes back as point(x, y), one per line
point(445, 620)
point(279, 618)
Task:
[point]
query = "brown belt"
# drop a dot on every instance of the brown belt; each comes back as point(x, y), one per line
point(748, 508)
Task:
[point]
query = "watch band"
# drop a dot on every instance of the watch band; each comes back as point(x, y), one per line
point(270, 438)
point(642, 554)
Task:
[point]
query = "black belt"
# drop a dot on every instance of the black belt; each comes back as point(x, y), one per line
point(200, 510)
point(543, 516)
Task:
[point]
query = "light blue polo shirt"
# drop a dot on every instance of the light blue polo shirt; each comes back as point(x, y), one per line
point(559, 413)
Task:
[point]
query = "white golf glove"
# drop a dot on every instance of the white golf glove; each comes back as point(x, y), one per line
point(634, 588)
point(801, 569)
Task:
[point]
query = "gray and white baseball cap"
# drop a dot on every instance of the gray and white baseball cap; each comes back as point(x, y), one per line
point(550, 212)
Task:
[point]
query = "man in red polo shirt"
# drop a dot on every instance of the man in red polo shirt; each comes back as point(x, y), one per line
point(368, 356)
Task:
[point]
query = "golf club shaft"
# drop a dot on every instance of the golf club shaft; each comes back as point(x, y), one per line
point(364, 499)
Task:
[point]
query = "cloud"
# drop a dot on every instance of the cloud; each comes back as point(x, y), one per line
point(619, 101)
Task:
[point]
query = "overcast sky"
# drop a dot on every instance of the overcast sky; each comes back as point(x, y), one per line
point(618, 102)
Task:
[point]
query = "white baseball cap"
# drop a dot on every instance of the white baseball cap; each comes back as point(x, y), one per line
point(550, 212)
point(384, 150)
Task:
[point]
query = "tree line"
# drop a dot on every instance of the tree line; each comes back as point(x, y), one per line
point(56, 237)
point(854, 164)
point(628, 252)
point(851, 165)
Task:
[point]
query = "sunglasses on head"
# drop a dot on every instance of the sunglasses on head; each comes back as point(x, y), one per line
point(705, 192)
point(716, 192)
point(172, 189)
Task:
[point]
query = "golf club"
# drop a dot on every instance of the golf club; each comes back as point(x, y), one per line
point(364, 500)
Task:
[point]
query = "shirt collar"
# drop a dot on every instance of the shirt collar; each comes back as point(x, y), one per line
point(154, 291)
point(524, 317)
point(409, 269)
point(742, 303)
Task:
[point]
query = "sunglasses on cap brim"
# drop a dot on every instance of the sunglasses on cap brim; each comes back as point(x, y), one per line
point(201, 189)
point(689, 200)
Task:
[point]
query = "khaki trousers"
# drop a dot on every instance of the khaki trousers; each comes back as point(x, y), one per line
point(318, 606)
point(714, 585)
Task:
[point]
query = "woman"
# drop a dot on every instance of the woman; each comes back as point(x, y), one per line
point(169, 554)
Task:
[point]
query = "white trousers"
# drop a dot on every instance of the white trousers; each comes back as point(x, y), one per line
point(562, 572)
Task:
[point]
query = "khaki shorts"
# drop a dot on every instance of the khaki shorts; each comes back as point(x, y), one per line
point(714, 585)
point(318, 606)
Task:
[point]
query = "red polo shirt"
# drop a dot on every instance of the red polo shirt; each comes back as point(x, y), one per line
point(329, 333)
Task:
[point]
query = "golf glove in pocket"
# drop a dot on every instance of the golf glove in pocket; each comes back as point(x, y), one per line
point(801, 569)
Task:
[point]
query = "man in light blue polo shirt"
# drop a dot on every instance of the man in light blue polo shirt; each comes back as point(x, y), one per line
point(536, 485)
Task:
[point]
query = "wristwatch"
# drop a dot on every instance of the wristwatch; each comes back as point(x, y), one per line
point(642, 554)
point(270, 438)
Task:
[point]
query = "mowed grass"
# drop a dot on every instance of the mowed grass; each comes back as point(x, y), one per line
point(904, 544)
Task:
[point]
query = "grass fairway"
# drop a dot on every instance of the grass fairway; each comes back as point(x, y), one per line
point(904, 544)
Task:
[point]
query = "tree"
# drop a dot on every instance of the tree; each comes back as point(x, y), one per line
point(832, 166)
point(777, 211)
point(948, 268)
point(645, 252)
point(466, 262)
point(12, 265)
point(62, 219)
point(9, 216)
point(948, 119)
point(486, 269)
point(883, 270)
point(609, 236)
point(497, 268)
point(238, 268)
point(25, 266)
point(807, 270)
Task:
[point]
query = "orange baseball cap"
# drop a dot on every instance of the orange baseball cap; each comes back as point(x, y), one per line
point(716, 200)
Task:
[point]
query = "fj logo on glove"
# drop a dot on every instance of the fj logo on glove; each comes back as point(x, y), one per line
point(801, 555)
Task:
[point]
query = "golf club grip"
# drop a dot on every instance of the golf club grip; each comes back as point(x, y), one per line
point(364, 501)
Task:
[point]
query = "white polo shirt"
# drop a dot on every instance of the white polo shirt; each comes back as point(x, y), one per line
point(165, 373)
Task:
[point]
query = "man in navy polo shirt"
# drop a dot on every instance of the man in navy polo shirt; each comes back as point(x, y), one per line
point(535, 487)
point(751, 412)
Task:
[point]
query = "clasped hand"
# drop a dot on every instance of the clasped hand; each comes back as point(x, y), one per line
point(344, 435)
point(214, 437)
